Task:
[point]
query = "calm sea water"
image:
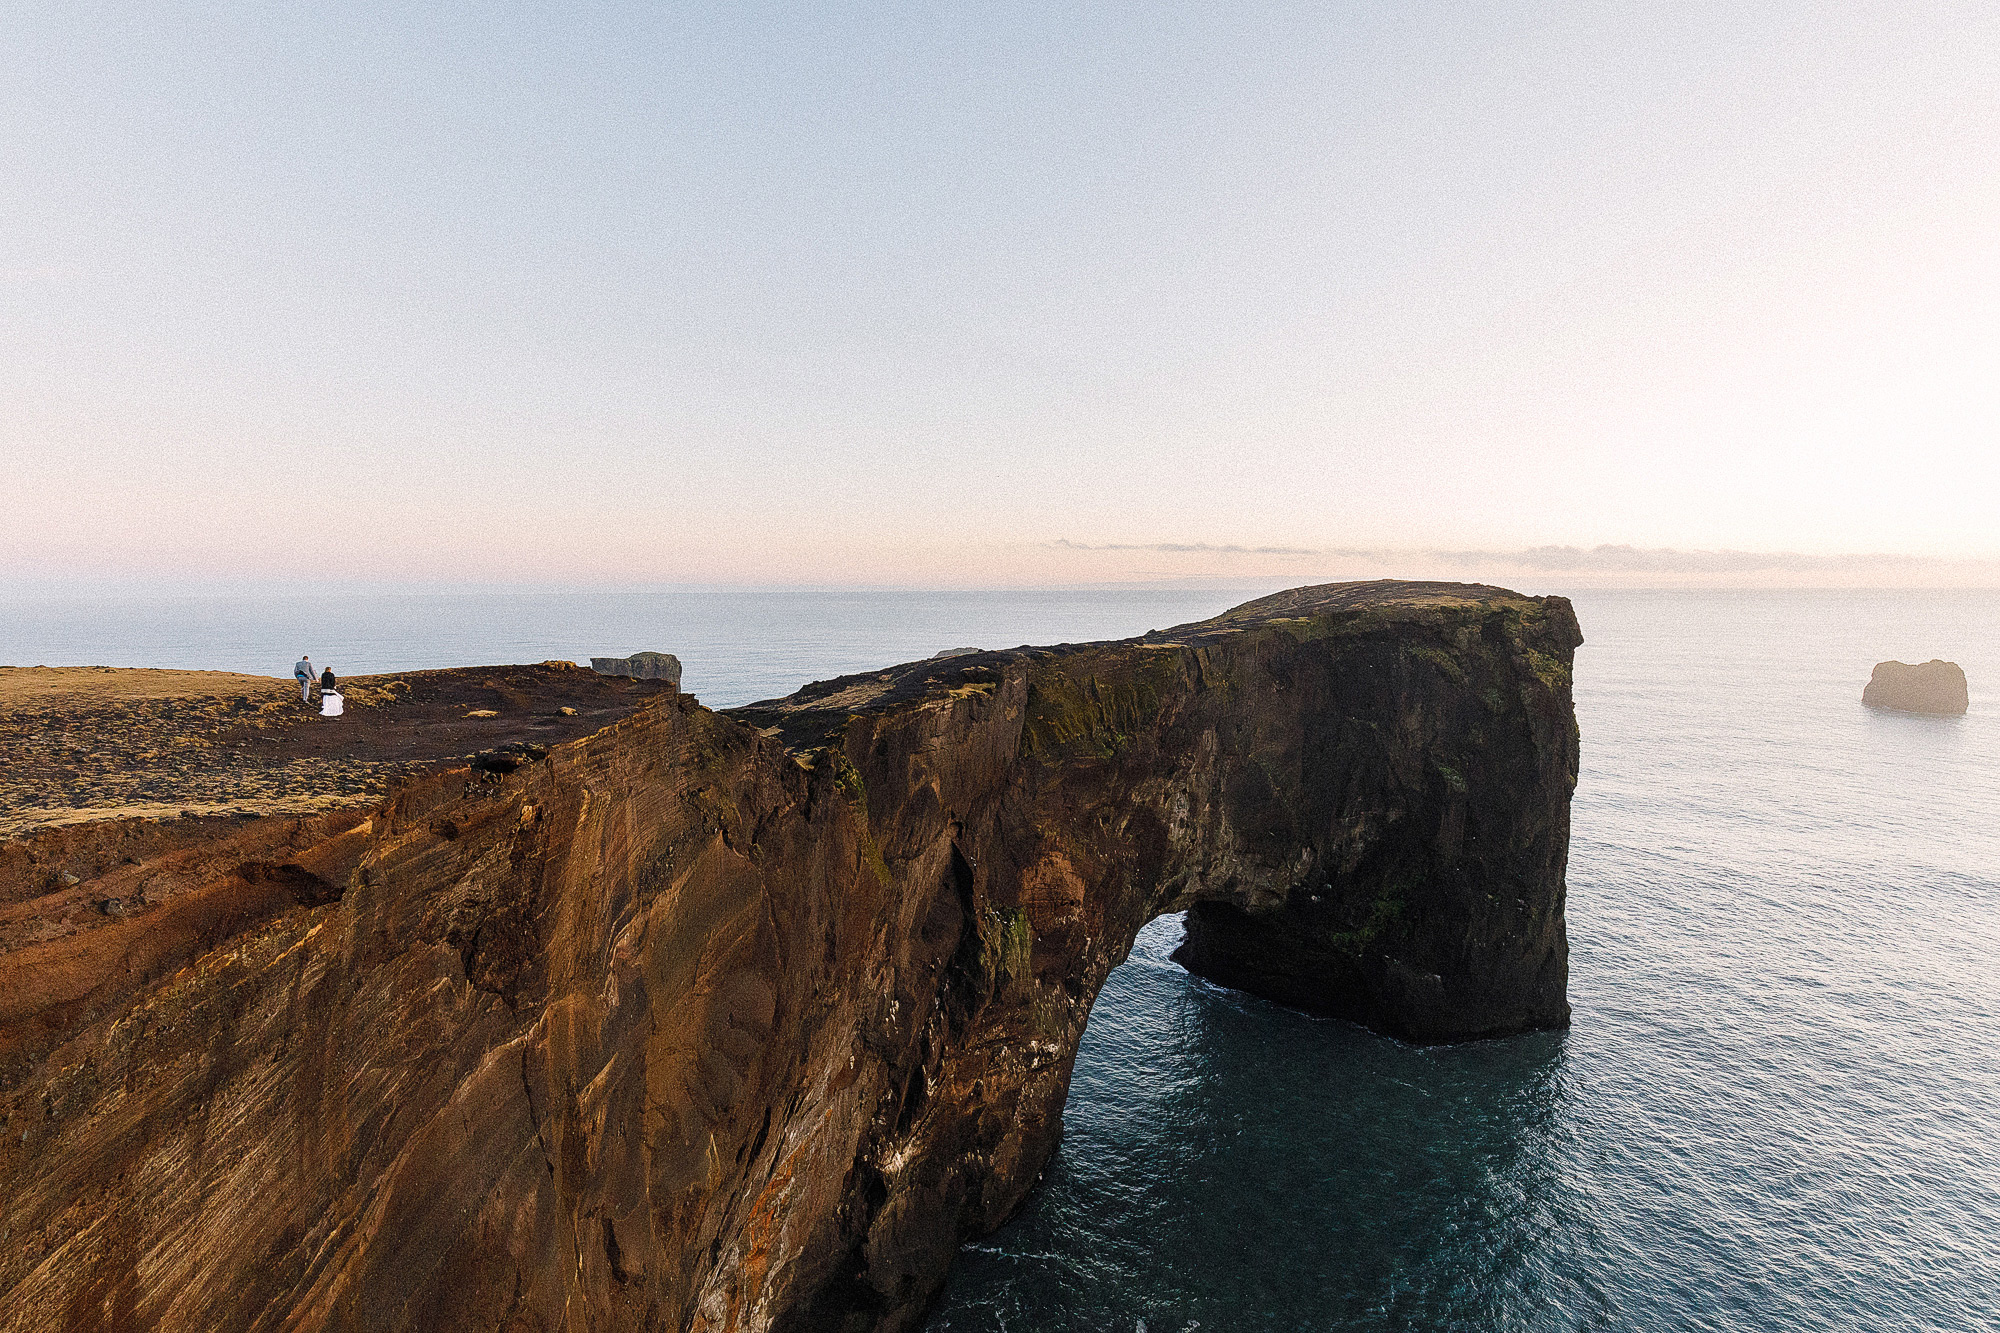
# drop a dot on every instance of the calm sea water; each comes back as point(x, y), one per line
point(736, 645)
point(1778, 1109)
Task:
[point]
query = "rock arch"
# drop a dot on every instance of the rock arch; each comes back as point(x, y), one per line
point(1359, 795)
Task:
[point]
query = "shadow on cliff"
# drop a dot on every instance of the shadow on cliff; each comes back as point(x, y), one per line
point(1235, 1163)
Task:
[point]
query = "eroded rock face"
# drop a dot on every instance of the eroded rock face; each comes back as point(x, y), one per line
point(1928, 687)
point(745, 1021)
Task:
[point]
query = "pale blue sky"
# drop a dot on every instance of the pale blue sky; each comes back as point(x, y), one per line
point(913, 293)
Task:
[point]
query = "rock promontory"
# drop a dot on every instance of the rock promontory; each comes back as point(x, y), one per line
point(745, 1020)
point(1935, 686)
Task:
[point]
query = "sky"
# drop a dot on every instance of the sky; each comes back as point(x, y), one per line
point(956, 295)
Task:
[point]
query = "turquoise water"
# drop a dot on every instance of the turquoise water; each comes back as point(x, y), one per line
point(1778, 1109)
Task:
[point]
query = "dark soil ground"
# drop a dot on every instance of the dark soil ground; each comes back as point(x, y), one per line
point(91, 743)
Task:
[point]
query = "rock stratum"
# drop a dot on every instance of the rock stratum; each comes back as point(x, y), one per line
point(745, 1020)
point(1935, 687)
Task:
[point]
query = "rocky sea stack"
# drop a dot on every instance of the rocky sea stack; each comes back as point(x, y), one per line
point(1928, 687)
point(745, 1020)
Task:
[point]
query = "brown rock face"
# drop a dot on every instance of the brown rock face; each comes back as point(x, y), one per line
point(744, 1021)
point(1929, 687)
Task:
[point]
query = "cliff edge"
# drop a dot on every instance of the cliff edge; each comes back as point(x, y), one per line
point(743, 1021)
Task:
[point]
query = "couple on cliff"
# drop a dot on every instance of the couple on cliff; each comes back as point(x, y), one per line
point(302, 672)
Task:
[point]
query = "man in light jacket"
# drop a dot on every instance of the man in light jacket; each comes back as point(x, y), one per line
point(302, 671)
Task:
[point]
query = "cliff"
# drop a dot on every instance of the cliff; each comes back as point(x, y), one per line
point(744, 1021)
point(1928, 687)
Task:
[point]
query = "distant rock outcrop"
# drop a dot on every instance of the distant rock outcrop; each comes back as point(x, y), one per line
point(641, 666)
point(1929, 687)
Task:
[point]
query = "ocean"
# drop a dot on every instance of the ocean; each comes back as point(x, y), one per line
point(1778, 1107)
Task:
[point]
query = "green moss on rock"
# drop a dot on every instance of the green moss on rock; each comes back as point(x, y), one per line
point(1098, 714)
